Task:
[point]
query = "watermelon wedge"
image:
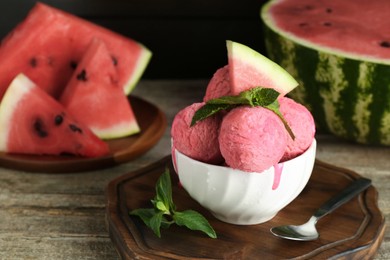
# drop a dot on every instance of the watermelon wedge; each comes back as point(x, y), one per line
point(94, 97)
point(248, 69)
point(32, 122)
point(49, 43)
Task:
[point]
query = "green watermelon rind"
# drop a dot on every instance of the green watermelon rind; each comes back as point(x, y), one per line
point(256, 60)
point(10, 100)
point(118, 131)
point(140, 68)
point(267, 19)
point(339, 90)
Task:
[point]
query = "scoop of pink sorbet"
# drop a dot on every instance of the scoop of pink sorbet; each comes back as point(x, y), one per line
point(252, 139)
point(219, 84)
point(301, 123)
point(200, 142)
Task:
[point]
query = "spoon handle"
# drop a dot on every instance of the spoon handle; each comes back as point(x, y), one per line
point(347, 194)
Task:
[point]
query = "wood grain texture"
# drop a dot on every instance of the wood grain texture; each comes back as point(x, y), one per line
point(62, 216)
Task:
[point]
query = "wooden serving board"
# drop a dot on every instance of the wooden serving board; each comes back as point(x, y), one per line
point(355, 230)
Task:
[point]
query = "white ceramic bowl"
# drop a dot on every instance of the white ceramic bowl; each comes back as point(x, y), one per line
point(244, 198)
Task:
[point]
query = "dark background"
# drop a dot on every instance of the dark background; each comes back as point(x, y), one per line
point(187, 37)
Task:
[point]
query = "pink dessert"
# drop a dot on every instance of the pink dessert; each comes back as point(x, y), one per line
point(219, 84)
point(252, 139)
point(302, 124)
point(200, 142)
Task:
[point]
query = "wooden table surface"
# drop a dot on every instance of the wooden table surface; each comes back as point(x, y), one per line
point(62, 216)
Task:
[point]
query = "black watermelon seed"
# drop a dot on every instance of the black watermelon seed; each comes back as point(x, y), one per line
point(73, 64)
point(82, 76)
point(33, 62)
point(303, 24)
point(75, 128)
point(385, 44)
point(114, 60)
point(329, 10)
point(327, 24)
point(39, 128)
point(58, 119)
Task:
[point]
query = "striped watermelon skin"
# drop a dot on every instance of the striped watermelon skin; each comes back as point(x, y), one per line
point(347, 96)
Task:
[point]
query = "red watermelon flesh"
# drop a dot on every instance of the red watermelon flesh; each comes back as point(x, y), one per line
point(49, 43)
point(94, 97)
point(34, 123)
point(358, 27)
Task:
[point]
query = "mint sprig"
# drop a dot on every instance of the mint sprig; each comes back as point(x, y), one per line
point(258, 96)
point(164, 213)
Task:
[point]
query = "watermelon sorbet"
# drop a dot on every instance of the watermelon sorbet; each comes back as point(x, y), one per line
point(252, 139)
point(242, 137)
point(200, 141)
point(301, 123)
point(219, 84)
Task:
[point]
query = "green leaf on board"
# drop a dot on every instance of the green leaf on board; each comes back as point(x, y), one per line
point(194, 221)
point(164, 212)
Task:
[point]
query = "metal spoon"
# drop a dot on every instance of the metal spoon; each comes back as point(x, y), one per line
point(308, 231)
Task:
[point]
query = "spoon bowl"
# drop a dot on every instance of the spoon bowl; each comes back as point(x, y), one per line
point(308, 231)
point(304, 232)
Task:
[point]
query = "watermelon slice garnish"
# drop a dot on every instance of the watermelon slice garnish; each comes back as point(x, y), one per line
point(32, 122)
point(249, 69)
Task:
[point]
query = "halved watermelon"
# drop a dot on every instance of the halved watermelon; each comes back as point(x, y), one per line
point(248, 69)
point(32, 122)
point(49, 43)
point(94, 97)
point(339, 51)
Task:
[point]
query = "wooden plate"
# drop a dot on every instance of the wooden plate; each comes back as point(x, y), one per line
point(152, 122)
point(354, 230)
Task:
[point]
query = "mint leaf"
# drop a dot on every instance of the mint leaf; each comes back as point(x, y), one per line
point(155, 223)
point(262, 96)
point(194, 221)
point(164, 191)
point(144, 214)
point(161, 206)
point(152, 219)
point(230, 100)
point(254, 97)
point(274, 107)
point(258, 96)
point(208, 110)
point(164, 213)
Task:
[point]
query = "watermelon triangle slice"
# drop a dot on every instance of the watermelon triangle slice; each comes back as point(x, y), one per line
point(248, 69)
point(34, 123)
point(94, 97)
